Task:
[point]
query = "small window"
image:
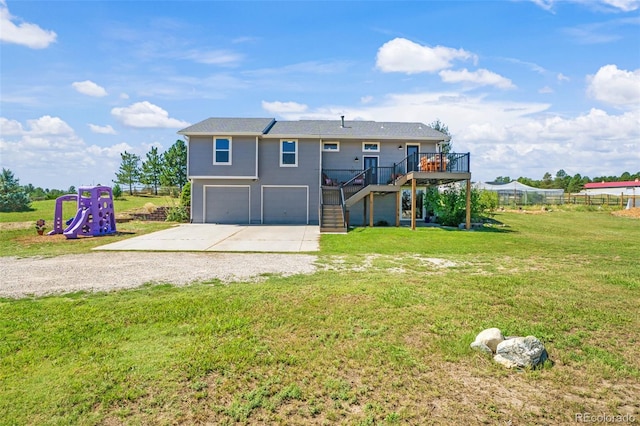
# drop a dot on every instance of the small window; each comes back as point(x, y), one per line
point(288, 153)
point(331, 146)
point(222, 151)
point(370, 146)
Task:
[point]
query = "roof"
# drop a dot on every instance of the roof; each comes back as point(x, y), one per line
point(623, 184)
point(515, 186)
point(229, 126)
point(269, 127)
point(356, 129)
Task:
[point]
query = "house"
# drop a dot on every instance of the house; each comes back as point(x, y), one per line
point(332, 173)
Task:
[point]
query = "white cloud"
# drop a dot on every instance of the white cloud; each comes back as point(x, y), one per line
point(545, 90)
point(511, 138)
point(562, 77)
point(617, 5)
point(10, 127)
point(89, 88)
point(47, 152)
point(145, 115)
point(366, 99)
point(23, 33)
point(402, 55)
point(103, 130)
point(49, 126)
point(124, 96)
point(214, 57)
point(616, 87)
point(481, 77)
point(277, 107)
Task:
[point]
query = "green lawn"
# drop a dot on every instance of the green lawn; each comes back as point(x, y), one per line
point(379, 335)
point(19, 237)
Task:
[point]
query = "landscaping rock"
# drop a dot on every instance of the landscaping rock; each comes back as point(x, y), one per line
point(521, 352)
point(488, 340)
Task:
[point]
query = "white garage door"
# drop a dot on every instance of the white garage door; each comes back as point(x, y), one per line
point(226, 204)
point(285, 205)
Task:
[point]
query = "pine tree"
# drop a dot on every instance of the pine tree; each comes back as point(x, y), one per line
point(129, 171)
point(152, 169)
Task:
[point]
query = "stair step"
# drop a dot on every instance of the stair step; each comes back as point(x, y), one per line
point(335, 230)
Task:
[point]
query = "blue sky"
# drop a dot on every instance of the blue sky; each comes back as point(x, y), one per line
point(526, 87)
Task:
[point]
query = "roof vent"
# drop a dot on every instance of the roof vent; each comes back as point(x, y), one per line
point(342, 121)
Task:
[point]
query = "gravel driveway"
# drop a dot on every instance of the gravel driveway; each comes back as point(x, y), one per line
point(105, 271)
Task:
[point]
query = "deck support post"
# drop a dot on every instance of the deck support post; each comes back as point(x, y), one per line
point(413, 204)
point(468, 218)
point(398, 201)
point(371, 209)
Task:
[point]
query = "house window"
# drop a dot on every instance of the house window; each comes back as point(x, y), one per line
point(222, 151)
point(288, 153)
point(370, 146)
point(331, 146)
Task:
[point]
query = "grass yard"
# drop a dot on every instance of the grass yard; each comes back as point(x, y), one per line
point(379, 334)
point(19, 237)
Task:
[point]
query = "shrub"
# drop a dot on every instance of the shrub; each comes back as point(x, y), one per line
point(117, 191)
point(185, 196)
point(177, 214)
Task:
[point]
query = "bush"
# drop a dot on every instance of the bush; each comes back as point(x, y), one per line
point(178, 214)
point(117, 191)
point(185, 196)
point(453, 204)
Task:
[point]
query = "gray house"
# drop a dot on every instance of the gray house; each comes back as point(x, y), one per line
point(331, 173)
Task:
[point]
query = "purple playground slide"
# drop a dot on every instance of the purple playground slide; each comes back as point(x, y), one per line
point(95, 215)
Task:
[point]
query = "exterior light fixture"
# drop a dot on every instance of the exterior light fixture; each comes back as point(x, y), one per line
point(356, 159)
point(399, 147)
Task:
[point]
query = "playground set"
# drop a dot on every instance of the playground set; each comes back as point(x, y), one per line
point(95, 216)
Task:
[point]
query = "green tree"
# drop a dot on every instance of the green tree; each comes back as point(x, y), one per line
point(129, 171)
point(174, 170)
point(443, 128)
point(502, 179)
point(13, 198)
point(152, 169)
point(547, 181)
point(117, 191)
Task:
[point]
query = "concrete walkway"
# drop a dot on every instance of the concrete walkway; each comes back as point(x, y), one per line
point(234, 238)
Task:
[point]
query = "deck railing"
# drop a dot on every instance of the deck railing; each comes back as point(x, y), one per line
point(451, 162)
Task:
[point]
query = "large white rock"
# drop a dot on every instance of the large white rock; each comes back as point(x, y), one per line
point(488, 340)
point(521, 352)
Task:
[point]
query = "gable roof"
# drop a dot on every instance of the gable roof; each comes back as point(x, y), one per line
point(269, 127)
point(230, 126)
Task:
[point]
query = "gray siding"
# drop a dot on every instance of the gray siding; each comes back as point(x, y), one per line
point(384, 208)
point(243, 157)
point(307, 174)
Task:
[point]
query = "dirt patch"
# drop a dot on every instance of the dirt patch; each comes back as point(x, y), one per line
point(634, 213)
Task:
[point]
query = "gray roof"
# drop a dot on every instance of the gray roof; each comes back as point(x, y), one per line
point(229, 126)
point(268, 127)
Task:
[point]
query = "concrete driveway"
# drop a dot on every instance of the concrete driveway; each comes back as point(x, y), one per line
point(236, 238)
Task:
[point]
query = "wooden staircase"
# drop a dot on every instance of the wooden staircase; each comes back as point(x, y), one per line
point(332, 219)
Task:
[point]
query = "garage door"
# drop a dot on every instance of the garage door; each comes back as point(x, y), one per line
point(285, 205)
point(226, 204)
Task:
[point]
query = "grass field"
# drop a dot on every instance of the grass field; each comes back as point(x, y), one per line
point(379, 334)
point(19, 237)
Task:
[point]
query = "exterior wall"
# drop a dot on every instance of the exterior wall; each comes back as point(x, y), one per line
point(388, 155)
point(243, 157)
point(384, 208)
point(307, 173)
point(270, 175)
